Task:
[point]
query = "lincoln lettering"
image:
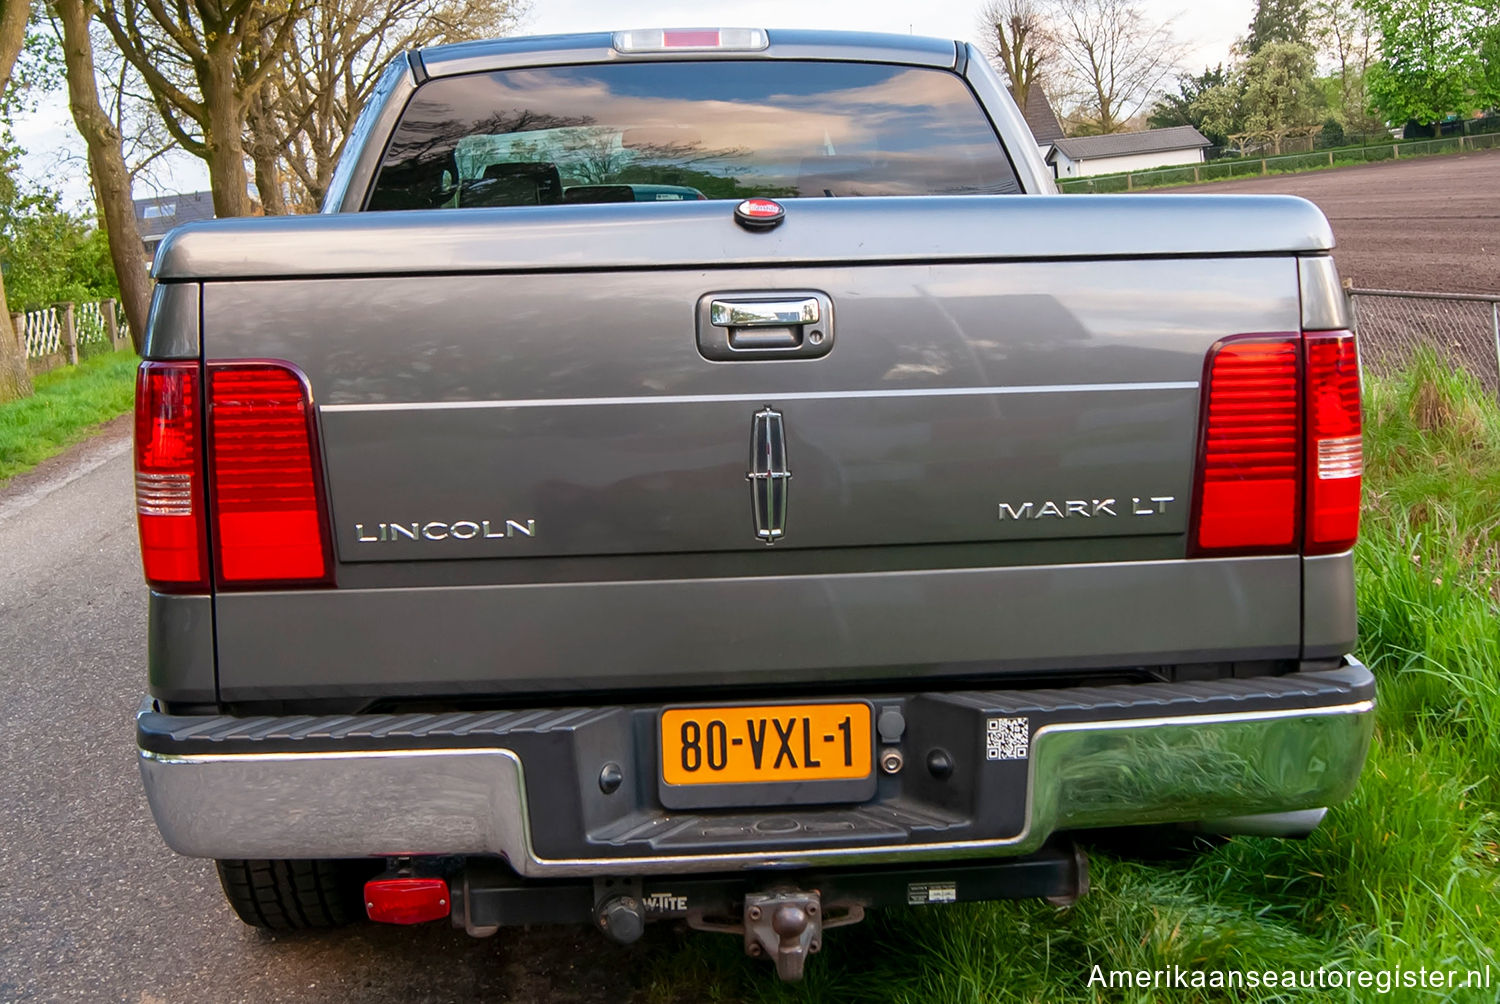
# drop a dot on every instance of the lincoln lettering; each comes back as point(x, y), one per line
point(463, 529)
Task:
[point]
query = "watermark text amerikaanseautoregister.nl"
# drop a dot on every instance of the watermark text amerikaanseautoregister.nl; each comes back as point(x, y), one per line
point(1379, 980)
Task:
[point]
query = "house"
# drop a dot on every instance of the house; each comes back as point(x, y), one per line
point(155, 216)
point(1082, 156)
point(1041, 119)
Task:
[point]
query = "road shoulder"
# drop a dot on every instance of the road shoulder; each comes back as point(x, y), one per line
point(25, 490)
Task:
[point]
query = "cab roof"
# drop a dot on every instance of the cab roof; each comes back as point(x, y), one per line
point(598, 47)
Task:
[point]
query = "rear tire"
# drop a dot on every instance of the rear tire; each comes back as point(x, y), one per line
point(295, 895)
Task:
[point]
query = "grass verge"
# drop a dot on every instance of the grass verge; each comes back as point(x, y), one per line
point(69, 404)
point(1406, 873)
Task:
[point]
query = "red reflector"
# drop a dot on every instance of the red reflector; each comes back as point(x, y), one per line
point(264, 477)
point(407, 900)
point(689, 39)
point(1250, 464)
point(1335, 456)
point(169, 476)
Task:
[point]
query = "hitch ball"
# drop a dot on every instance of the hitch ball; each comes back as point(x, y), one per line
point(622, 919)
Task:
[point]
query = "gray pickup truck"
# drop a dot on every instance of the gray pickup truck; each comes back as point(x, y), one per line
point(710, 475)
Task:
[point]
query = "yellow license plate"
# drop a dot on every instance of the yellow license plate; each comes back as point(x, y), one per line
point(774, 742)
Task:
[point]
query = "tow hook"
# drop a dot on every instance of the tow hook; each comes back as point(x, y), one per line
point(783, 925)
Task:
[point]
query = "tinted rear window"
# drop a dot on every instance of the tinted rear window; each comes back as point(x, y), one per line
point(668, 132)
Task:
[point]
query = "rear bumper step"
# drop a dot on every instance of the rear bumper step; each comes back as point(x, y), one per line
point(527, 785)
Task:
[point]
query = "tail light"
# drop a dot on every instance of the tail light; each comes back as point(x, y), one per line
point(1335, 453)
point(169, 476)
point(407, 900)
point(1280, 455)
point(257, 449)
point(691, 40)
point(1249, 468)
point(264, 485)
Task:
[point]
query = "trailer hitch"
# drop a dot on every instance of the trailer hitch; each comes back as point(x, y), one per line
point(784, 925)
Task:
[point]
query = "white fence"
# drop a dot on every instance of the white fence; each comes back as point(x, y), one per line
point(41, 332)
point(54, 336)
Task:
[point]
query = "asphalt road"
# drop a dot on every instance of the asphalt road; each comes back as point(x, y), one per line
point(93, 906)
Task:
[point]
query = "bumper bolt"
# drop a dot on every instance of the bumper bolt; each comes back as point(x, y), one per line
point(610, 778)
point(939, 763)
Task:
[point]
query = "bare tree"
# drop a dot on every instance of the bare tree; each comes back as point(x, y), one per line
point(1112, 58)
point(1017, 36)
point(107, 168)
point(15, 380)
point(204, 61)
point(323, 79)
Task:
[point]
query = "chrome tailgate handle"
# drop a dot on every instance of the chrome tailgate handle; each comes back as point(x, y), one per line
point(764, 313)
point(746, 325)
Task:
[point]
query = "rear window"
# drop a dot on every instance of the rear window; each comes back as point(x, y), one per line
point(676, 131)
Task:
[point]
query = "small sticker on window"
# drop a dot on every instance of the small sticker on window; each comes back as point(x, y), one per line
point(1006, 739)
point(922, 893)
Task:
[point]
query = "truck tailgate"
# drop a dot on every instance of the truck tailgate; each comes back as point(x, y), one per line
point(542, 478)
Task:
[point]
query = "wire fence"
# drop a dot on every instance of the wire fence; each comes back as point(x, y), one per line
point(1252, 167)
point(1463, 329)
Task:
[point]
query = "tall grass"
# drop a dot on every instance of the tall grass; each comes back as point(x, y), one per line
point(68, 405)
point(1405, 873)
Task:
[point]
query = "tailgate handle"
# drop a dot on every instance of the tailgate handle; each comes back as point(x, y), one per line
point(762, 314)
point(765, 325)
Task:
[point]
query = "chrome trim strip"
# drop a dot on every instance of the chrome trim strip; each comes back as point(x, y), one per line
point(771, 397)
point(1236, 717)
point(478, 804)
point(761, 398)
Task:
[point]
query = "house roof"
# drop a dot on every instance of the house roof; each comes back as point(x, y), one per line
point(155, 216)
point(1040, 117)
point(1122, 144)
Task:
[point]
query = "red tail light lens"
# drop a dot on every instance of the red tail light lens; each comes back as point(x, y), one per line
point(1250, 464)
point(265, 483)
point(407, 900)
point(1335, 455)
point(169, 476)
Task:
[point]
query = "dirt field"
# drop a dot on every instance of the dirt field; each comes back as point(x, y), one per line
point(1431, 224)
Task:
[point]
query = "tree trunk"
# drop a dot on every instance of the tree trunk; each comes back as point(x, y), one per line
point(224, 132)
point(268, 183)
point(106, 166)
point(15, 380)
point(263, 154)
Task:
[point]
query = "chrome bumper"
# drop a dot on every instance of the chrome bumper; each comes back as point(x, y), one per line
point(473, 801)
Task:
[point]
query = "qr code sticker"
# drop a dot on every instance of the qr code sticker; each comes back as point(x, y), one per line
point(1006, 739)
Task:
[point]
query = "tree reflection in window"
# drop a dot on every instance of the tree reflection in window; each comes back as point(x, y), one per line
point(684, 130)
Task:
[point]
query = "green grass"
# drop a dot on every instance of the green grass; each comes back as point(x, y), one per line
point(1405, 873)
point(68, 406)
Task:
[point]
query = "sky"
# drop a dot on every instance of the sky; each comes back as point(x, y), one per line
point(55, 153)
